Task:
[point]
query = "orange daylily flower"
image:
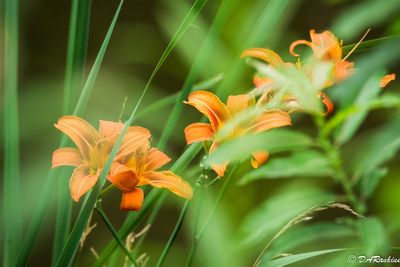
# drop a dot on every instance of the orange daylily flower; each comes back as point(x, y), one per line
point(326, 46)
point(93, 149)
point(140, 168)
point(218, 114)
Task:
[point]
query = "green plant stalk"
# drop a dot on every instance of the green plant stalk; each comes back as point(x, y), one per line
point(207, 221)
point(132, 221)
point(12, 215)
point(115, 234)
point(174, 234)
point(48, 191)
point(333, 156)
point(74, 77)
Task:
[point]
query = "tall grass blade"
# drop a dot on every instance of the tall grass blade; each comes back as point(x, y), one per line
point(39, 214)
point(74, 78)
point(11, 187)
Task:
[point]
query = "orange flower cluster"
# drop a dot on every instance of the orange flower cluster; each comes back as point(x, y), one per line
point(326, 50)
point(134, 165)
point(136, 162)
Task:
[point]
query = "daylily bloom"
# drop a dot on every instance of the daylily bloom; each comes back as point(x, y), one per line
point(219, 114)
point(93, 149)
point(326, 46)
point(140, 168)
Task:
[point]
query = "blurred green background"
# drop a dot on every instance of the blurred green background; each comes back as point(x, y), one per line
point(142, 32)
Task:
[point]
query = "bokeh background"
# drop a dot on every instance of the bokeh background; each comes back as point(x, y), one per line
point(142, 33)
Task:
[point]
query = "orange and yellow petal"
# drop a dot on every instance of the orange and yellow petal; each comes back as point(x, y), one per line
point(326, 46)
point(259, 81)
point(209, 105)
point(264, 54)
point(387, 79)
point(343, 70)
point(270, 120)
point(219, 169)
point(82, 181)
point(259, 158)
point(110, 129)
point(168, 180)
point(198, 132)
point(80, 131)
point(327, 102)
point(122, 177)
point(237, 103)
point(156, 159)
point(296, 43)
point(135, 138)
point(132, 200)
point(66, 156)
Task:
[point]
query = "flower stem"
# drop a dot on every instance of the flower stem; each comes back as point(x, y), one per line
point(174, 234)
point(200, 233)
point(114, 233)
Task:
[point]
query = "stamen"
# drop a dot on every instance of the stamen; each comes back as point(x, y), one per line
point(355, 47)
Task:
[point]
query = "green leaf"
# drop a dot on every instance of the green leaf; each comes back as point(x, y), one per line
point(285, 261)
point(370, 181)
point(373, 149)
point(358, 17)
point(73, 81)
point(373, 236)
point(307, 163)
point(273, 141)
point(267, 219)
point(11, 188)
point(366, 94)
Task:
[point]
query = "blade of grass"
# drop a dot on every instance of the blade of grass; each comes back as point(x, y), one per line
point(115, 234)
point(11, 186)
point(74, 77)
point(48, 191)
point(72, 244)
point(274, 14)
point(132, 221)
point(370, 44)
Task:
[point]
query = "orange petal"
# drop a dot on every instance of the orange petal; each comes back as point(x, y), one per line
point(259, 158)
point(80, 131)
point(387, 79)
point(343, 70)
point(168, 180)
point(326, 46)
point(210, 105)
point(237, 103)
point(110, 129)
point(66, 156)
point(270, 120)
point(82, 181)
point(122, 177)
point(132, 200)
point(156, 159)
point(264, 54)
point(296, 43)
point(133, 139)
point(219, 169)
point(327, 102)
point(259, 81)
point(198, 132)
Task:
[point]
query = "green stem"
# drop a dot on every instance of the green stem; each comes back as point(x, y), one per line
point(173, 234)
point(114, 233)
point(11, 187)
point(333, 155)
point(200, 233)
